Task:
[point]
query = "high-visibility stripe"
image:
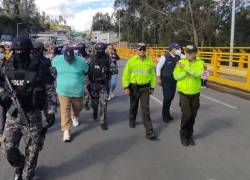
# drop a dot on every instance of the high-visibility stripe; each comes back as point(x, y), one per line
point(180, 76)
point(140, 71)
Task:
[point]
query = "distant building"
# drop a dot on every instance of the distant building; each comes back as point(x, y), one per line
point(106, 37)
point(52, 37)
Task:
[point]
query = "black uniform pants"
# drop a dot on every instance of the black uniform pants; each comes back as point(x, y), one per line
point(169, 89)
point(189, 106)
point(142, 94)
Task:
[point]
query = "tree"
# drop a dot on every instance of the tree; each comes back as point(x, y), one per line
point(102, 22)
point(185, 21)
point(26, 12)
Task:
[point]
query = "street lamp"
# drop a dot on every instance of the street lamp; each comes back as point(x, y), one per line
point(102, 27)
point(17, 28)
point(232, 34)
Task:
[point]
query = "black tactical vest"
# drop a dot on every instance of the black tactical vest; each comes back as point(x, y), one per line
point(99, 69)
point(28, 85)
point(168, 68)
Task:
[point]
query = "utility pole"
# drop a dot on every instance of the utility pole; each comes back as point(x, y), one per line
point(17, 28)
point(119, 29)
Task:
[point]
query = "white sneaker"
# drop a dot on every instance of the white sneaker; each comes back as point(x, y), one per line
point(112, 95)
point(66, 136)
point(109, 98)
point(75, 121)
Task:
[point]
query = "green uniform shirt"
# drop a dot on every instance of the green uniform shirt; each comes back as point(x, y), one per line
point(139, 71)
point(189, 77)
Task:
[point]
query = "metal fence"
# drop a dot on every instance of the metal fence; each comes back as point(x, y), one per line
point(230, 69)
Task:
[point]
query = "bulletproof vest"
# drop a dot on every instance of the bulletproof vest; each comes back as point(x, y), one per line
point(168, 68)
point(99, 71)
point(28, 85)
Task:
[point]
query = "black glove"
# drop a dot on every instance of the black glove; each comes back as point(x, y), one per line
point(50, 120)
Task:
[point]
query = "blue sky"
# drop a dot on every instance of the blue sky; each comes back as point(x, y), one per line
point(78, 13)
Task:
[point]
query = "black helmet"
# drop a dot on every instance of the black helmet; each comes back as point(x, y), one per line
point(38, 45)
point(82, 46)
point(22, 43)
point(100, 46)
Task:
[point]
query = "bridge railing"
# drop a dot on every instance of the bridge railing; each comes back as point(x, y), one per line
point(230, 69)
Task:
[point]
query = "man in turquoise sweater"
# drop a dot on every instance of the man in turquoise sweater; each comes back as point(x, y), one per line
point(70, 72)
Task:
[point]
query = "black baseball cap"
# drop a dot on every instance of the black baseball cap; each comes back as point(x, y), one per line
point(174, 45)
point(191, 49)
point(68, 54)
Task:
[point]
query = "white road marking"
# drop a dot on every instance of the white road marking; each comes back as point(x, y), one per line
point(159, 101)
point(219, 102)
point(204, 96)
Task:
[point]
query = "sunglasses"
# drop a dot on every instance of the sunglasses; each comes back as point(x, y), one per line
point(142, 49)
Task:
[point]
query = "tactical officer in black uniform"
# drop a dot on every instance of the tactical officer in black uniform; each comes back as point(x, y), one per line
point(33, 87)
point(99, 76)
point(82, 52)
point(38, 53)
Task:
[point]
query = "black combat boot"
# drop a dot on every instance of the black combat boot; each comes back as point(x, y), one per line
point(132, 124)
point(18, 174)
point(184, 140)
point(168, 118)
point(104, 126)
point(151, 135)
point(191, 140)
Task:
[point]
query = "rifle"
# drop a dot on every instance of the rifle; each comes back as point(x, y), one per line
point(17, 105)
point(17, 108)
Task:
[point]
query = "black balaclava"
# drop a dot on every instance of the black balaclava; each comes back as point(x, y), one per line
point(100, 54)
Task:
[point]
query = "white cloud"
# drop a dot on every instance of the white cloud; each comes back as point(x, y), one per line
point(83, 19)
point(80, 20)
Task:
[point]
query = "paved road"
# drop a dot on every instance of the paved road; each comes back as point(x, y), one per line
point(222, 151)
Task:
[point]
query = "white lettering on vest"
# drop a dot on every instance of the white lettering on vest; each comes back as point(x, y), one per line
point(17, 82)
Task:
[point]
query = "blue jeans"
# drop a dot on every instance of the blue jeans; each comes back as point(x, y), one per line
point(113, 82)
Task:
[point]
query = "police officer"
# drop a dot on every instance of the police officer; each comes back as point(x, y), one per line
point(38, 53)
point(33, 87)
point(82, 52)
point(99, 76)
point(188, 75)
point(165, 78)
point(138, 81)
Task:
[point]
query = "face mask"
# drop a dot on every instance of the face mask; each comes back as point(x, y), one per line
point(2, 56)
point(178, 52)
point(22, 56)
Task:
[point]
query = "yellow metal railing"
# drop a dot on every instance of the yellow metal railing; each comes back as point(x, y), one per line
point(230, 69)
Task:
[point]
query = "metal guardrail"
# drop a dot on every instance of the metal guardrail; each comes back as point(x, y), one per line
point(228, 69)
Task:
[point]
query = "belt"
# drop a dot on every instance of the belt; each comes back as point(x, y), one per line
point(140, 85)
